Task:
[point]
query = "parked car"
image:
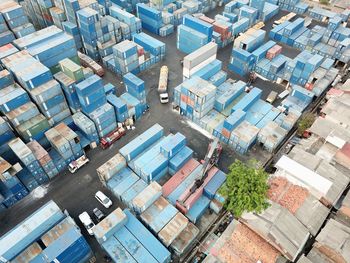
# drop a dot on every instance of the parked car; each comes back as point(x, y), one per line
point(87, 222)
point(103, 199)
point(99, 215)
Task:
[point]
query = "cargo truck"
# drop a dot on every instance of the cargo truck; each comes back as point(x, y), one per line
point(112, 137)
point(86, 61)
point(163, 85)
point(78, 163)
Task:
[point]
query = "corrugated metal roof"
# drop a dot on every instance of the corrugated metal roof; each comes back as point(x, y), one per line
point(335, 237)
point(280, 228)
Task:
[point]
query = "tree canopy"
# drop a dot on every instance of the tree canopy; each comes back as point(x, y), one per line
point(305, 122)
point(245, 189)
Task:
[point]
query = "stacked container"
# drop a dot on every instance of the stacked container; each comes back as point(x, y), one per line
point(86, 127)
point(193, 34)
point(15, 19)
point(51, 101)
point(44, 158)
point(129, 24)
point(6, 135)
point(126, 58)
point(243, 137)
point(72, 138)
point(11, 188)
point(68, 87)
point(6, 35)
point(151, 18)
point(73, 30)
point(65, 142)
point(197, 98)
point(120, 107)
point(28, 160)
point(58, 235)
point(135, 86)
point(126, 239)
point(15, 102)
point(49, 46)
point(89, 23)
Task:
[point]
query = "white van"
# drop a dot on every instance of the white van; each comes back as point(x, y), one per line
point(87, 222)
point(103, 199)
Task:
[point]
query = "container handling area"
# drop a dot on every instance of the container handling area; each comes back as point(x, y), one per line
point(119, 122)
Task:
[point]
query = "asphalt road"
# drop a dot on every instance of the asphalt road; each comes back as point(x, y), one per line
point(75, 192)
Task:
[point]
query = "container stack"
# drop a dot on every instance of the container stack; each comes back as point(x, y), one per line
point(129, 23)
point(68, 87)
point(15, 102)
point(58, 16)
point(126, 57)
point(197, 98)
point(137, 55)
point(135, 87)
point(94, 104)
point(44, 90)
point(120, 107)
point(199, 59)
point(88, 62)
point(51, 101)
point(28, 160)
point(6, 35)
point(57, 233)
point(86, 127)
point(73, 30)
point(330, 42)
point(295, 6)
point(13, 18)
point(243, 137)
point(135, 108)
point(241, 61)
point(65, 142)
point(125, 239)
point(6, 135)
point(151, 18)
point(250, 40)
point(153, 48)
point(11, 188)
point(49, 46)
point(89, 23)
point(193, 34)
point(44, 158)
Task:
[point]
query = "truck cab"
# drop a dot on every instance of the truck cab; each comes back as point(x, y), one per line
point(164, 98)
point(78, 163)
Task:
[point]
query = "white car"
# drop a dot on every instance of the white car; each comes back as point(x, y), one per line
point(87, 222)
point(103, 199)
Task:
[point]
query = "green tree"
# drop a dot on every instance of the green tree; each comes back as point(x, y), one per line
point(305, 123)
point(245, 189)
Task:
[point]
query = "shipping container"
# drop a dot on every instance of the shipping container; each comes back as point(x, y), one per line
point(159, 252)
point(158, 214)
point(108, 226)
point(173, 229)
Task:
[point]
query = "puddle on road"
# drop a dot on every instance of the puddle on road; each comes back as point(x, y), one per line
point(39, 192)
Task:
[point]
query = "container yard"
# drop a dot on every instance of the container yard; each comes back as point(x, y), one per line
point(119, 122)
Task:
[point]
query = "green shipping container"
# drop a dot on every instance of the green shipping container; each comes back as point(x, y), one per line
point(33, 127)
point(72, 69)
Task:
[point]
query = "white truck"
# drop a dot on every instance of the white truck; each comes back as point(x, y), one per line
point(78, 163)
point(163, 85)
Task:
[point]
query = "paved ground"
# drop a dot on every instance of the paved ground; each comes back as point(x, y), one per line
point(76, 192)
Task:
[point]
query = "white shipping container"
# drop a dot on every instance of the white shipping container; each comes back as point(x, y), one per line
point(111, 167)
point(147, 197)
point(200, 55)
